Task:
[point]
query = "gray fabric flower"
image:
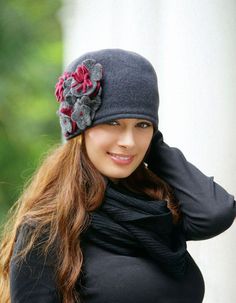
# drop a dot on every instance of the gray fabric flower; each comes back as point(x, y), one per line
point(79, 94)
point(65, 123)
point(82, 113)
point(64, 114)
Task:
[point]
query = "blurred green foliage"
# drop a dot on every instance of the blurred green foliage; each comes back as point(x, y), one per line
point(30, 60)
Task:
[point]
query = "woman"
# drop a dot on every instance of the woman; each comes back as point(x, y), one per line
point(107, 215)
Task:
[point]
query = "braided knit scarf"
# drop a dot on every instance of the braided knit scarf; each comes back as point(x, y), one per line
point(131, 224)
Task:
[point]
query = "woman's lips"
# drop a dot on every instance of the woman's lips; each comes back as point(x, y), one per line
point(121, 159)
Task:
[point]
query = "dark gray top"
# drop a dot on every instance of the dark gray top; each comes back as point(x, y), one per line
point(208, 210)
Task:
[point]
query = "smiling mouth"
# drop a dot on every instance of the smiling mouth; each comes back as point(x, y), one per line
point(121, 159)
point(119, 156)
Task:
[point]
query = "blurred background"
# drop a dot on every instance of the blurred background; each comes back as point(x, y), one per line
point(31, 61)
point(191, 44)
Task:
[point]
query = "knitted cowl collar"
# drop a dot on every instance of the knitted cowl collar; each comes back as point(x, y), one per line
point(131, 224)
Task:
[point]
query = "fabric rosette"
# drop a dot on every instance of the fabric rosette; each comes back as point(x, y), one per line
point(79, 94)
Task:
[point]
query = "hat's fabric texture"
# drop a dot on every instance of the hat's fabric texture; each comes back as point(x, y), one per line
point(104, 85)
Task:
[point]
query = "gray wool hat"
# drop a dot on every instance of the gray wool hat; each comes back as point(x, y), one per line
point(104, 85)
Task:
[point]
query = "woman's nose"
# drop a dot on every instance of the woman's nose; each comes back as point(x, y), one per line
point(126, 139)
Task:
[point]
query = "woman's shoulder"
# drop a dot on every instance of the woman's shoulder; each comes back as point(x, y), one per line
point(32, 240)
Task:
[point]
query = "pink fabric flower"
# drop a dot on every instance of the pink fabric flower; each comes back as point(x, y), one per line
point(60, 87)
point(82, 77)
point(79, 94)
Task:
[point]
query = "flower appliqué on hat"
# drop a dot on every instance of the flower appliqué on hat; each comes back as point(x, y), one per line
point(79, 94)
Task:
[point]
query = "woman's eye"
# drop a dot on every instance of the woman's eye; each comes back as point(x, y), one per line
point(112, 123)
point(141, 124)
point(144, 124)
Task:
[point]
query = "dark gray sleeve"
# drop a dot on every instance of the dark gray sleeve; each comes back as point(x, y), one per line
point(208, 209)
point(32, 280)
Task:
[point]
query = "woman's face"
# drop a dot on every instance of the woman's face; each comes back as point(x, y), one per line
point(116, 148)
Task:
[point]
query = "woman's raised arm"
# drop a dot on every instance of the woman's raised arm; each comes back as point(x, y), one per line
point(208, 209)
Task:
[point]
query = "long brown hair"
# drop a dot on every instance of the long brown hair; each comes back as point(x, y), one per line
point(57, 200)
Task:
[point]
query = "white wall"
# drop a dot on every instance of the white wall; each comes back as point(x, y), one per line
point(192, 44)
